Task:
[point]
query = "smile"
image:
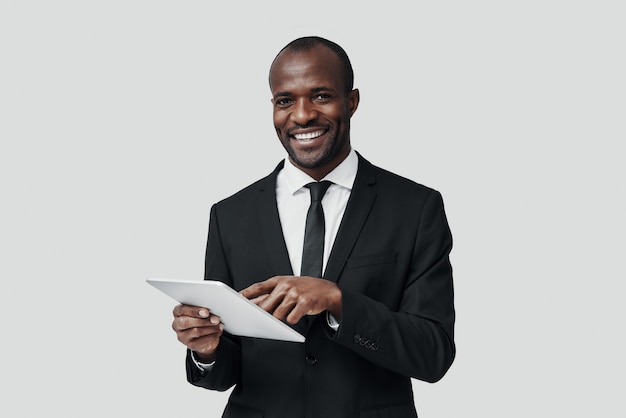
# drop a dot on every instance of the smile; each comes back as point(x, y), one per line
point(308, 135)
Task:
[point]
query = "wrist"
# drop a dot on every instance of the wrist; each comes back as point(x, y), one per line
point(203, 357)
point(336, 303)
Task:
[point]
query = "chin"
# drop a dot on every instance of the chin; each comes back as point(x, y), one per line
point(310, 162)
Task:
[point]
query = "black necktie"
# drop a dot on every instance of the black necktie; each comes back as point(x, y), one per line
point(313, 251)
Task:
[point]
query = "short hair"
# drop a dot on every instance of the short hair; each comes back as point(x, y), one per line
point(307, 43)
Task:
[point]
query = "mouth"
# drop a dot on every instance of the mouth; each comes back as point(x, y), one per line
point(308, 136)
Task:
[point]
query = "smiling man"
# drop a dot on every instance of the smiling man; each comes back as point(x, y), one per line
point(370, 287)
point(312, 107)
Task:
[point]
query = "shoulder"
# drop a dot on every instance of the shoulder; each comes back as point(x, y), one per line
point(252, 192)
point(385, 182)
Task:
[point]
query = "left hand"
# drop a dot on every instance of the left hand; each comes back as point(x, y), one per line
point(292, 297)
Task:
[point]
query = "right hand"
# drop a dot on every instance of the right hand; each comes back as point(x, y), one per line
point(198, 330)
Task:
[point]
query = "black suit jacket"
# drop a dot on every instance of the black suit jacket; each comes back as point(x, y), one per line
point(391, 261)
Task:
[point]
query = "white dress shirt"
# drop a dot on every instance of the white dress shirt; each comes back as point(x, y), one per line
point(293, 201)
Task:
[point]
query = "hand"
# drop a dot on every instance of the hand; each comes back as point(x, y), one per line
point(198, 330)
point(290, 297)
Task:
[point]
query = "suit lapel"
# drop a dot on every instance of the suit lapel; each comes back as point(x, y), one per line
point(269, 224)
point(359, 205)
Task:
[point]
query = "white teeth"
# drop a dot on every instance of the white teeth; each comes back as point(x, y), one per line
point(308, 136)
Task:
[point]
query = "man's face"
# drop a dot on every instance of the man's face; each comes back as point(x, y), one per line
point(311, 108)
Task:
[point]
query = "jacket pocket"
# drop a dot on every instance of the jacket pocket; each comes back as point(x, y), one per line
point(371, 260)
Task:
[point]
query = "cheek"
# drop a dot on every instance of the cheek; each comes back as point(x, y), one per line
point(339, 116)
point(279, 119)
point(278, 127)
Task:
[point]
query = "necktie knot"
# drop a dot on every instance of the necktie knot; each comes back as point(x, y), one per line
point(318, 189)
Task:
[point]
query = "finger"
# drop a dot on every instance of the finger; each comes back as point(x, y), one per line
point(259, 299)
point(284, 311)
point(200, 340)
point(193, 311)
point(200, 332)
point(206, 345)
point(296, 313)
point(295, 305)
point(260, 288)
point(270, 302)
point(256, 289)
point(182, 323)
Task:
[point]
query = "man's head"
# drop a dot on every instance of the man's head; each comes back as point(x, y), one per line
point(311, 80)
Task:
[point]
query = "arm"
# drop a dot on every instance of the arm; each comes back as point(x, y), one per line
point(395, 304)
point(406, 324)
point(416, 338)
point(225, 350)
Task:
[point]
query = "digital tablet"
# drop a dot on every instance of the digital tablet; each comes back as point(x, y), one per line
point(239, 315)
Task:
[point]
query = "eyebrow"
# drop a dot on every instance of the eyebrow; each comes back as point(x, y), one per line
point(313, 90)
point(319, 89)
point(282, 94)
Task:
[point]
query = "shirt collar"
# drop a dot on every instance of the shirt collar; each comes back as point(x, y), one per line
point(343, 175)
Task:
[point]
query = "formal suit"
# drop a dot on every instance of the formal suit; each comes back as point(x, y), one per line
point(390, 259)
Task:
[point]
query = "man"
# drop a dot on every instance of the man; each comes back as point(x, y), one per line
point(381, 313)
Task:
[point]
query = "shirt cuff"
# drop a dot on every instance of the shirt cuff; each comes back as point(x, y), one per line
point(332, 321)
point(204, 367)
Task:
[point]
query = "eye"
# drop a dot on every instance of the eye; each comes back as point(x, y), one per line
point(283, 102)
point(322, 97)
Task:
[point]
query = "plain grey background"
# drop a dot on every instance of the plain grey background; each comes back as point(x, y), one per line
point(122, 121)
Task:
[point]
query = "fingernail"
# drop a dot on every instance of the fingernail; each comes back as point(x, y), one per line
point(203, 313)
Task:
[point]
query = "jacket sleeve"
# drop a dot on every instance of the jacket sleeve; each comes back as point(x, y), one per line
point(417, 338)
point(225, 372)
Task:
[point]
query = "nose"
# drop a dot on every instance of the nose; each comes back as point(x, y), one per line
point(303, 112)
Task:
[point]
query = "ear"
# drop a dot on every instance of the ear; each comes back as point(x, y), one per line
point(353, 100)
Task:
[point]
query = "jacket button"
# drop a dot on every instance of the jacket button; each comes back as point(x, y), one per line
point(310, 360)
